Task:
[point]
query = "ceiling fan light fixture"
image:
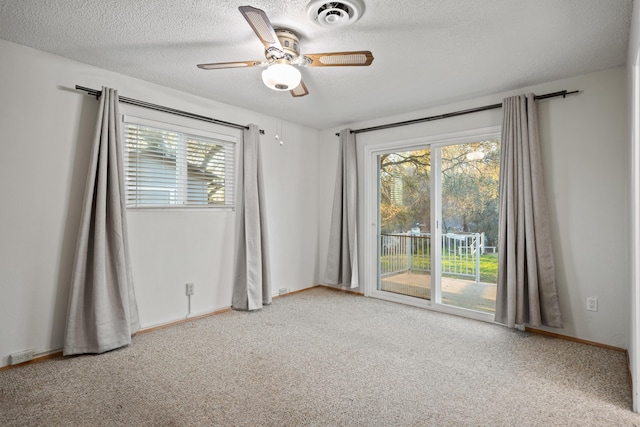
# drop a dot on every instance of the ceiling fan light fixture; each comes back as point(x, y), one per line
point(281, 77)
point(282, 50)
point(475, 155)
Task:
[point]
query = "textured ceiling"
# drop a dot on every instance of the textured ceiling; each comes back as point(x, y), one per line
point(427, 52)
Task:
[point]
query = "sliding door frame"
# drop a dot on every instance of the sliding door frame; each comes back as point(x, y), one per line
point(371, 214)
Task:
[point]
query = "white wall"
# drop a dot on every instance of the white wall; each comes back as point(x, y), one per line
point(633, 72)
point(47, 128)
point(584, 149)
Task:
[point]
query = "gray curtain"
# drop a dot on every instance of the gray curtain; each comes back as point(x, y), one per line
point(342, 260)
point(527, 290)
point(252, 285)
point(102, 313)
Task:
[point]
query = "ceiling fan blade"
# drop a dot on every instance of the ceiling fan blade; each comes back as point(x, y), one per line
point(261, 26)
point(301, 90)
point(338, 59)
point(236, 64)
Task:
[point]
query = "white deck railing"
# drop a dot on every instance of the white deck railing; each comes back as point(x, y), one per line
point(406, 252)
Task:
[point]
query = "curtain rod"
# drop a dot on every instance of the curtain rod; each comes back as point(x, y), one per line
point(562, 93)
point(164, 109)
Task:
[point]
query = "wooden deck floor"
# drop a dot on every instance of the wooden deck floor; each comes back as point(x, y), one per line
point(455, 292)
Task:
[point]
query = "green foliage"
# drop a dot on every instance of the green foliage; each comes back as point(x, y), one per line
point(469, 190)
point(469, 201)
point(405, 190)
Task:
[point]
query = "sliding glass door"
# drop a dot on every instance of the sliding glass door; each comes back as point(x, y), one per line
point(437, 222)
point(404, 235)
point(469, 232)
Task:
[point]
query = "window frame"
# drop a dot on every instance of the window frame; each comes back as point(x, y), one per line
point(371, 152)
point(230, 146)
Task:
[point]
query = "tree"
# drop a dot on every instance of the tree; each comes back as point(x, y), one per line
point(469, 189)
point(405, 190)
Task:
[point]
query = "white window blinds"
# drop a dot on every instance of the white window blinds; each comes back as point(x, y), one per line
point(167, 167)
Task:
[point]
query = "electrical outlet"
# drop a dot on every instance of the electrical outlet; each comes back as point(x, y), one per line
point(592, 303)
point(189, 288)
point(21, 357)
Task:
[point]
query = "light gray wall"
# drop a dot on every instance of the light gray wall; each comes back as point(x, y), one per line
point(633, 103)
point(47, 129)
point(585, 155)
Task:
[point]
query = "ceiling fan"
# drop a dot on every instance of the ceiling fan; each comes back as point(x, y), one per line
point(282, 52)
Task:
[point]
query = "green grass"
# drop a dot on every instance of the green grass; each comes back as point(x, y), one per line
point(489, 268)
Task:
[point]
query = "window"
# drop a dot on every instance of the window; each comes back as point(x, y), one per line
point(434, 203)
point(171, 166)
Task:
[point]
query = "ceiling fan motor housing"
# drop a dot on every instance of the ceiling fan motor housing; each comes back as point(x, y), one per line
point(335, 13)
point(290, 42)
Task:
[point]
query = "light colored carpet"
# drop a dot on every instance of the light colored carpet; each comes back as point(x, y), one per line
point(326, 358)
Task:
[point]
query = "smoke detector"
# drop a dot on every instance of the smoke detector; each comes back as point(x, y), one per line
point(335, 13)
